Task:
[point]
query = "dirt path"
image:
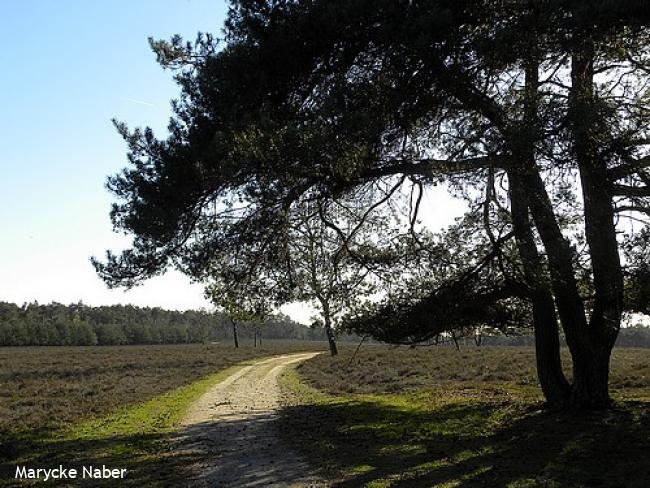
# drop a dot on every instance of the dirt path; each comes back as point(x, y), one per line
point(233, 427)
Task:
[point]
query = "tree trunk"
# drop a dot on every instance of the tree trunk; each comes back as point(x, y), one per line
point(453, 337)
point(234, 332)
point(255, 338)
point(330, 336)
point(327, 321)
point(591, 356)
point(547, 341)
point(590, 389)
point(554, 384)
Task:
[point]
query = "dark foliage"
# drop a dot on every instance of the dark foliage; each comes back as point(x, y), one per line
point(75, 325)
point(534, 112)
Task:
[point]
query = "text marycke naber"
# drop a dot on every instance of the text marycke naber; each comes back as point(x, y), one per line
point(87, 472)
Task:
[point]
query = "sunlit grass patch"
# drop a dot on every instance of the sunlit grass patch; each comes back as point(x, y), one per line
point(457, 433)
point(158, 415)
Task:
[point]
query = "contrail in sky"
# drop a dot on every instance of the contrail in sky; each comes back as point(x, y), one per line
point(140, 102)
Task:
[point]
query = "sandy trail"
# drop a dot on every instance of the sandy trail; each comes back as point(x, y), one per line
point(233, 426)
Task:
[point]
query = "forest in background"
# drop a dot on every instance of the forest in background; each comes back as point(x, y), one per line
point(57, 324)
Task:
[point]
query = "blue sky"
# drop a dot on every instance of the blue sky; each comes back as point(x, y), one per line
point(68, 68)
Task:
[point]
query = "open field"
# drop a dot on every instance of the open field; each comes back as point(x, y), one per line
point(385, 369)
point(76, 405)
point(441, 417)
point(390, 417)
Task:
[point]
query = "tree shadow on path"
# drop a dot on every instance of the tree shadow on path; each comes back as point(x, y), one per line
point(237, 452)
point(243, 452)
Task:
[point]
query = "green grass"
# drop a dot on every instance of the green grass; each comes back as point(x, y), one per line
point(457, 432)
point(158, 415)
point(139, 438)
point(145, 391)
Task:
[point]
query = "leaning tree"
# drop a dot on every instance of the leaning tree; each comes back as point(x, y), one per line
point(535, 112)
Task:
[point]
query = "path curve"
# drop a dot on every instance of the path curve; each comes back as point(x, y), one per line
point(234, 427)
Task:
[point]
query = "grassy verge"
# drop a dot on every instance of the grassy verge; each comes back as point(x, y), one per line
point(458, 433)
point(157, 416)
point(43, 389)
point(139, 437)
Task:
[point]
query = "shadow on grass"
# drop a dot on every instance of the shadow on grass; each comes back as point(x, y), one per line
point(377, 443)
point(237, 452)
point(148, 458)
point(496, 444)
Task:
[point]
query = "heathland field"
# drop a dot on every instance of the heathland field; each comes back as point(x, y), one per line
point(384, 417)
point(75, 405)
point(474, 417)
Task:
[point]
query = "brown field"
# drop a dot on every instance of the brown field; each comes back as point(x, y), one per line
point(45, 388)
point(384, 369)
point(387, 417)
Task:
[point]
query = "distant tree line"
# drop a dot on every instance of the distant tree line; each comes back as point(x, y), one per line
point(634, 335)
point(57, 324)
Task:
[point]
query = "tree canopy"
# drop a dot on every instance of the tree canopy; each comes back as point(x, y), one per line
point(536, 113)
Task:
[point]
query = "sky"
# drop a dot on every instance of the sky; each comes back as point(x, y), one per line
point(68, 68)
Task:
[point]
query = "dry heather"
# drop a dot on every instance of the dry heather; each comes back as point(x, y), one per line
point(42, 388)
point(383, 369)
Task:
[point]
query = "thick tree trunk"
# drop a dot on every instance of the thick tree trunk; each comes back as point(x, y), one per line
point(554, 384)
point(591, 356)
point(590, 347)
point(234, 332)
point(590, 389)
point(547, 341)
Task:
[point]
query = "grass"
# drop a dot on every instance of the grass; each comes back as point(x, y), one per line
point(444, 428)
point(390, 417)
point(139, 438)
point(141, 394)
point(382, 369)
point(45, 388)
point(158, 415)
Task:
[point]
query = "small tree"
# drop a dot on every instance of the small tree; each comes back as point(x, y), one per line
point(329, 265)
point(240, 300)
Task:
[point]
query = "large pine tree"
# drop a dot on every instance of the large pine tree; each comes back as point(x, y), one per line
point(535, 112)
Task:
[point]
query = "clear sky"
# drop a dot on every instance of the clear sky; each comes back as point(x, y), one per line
point(68, 68)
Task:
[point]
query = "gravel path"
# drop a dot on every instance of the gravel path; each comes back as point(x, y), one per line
point(233, 426)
